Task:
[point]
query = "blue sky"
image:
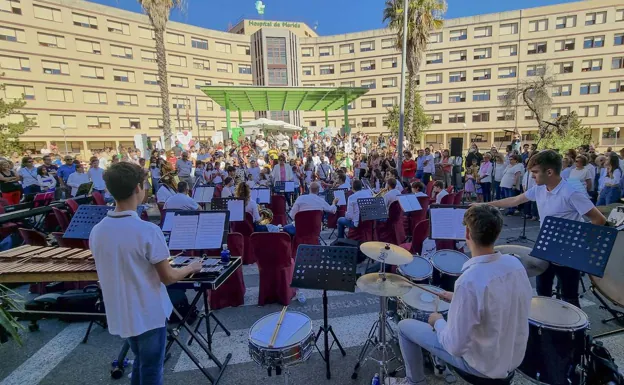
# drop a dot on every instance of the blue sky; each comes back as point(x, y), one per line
point(333, 16)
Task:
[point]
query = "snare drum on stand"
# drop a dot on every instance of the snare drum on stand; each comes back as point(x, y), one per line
point(419, 305)
point(447, 267)
point(557, 342)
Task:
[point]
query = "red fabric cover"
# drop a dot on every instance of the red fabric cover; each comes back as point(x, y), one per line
point(232, 291)
point(332, 219)
point(61, 218)
point(362, 233)
point(50, 223)
point(307, 229)
point(98, 199)
point(392, 230)
point(33, 237)
point(11, 198)
point(6, 228)
point(447, 199)
point(430, 187)
point(245, 228)
point(72, 205)
point(420, 215)
point(278, 207)
point(458, 197)
point(421, 232)
point(442, 244)
point(68, 242)
point(275, 266)
point(217, 191)
point(449, 189)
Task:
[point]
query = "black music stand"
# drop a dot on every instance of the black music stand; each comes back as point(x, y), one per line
point(84, 219)
point(372, 208)
point(222, 204)
point(326, 268)
point(329, 196)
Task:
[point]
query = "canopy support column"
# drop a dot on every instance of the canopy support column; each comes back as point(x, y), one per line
point(346, 115)
point(240, 116)
point(228, 119)
point(326, 118)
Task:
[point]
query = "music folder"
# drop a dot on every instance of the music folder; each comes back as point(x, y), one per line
point(261, 195)
point(447, 222)
point(84, 189)
point(203, 194)
point(409, 202)
point(340, 194)
point(203, 230)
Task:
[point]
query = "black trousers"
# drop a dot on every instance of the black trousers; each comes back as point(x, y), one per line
point(568, 280)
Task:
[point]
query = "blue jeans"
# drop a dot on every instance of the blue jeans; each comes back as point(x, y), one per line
point(419, 174)
point(508, 193)
point(426, 178)
point(32, 189)
point(415, 336)
point(609, 195)
point(149, 357)
point(290, 229)
point(486, 188)
point(497, 190)
point(342, 224)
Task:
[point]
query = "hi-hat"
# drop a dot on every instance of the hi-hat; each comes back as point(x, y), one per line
point(533, 266)
point(387, 253)
point(384, 285)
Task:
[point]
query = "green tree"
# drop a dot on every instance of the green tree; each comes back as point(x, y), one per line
point(575, 135)
point(158, 12)
point(10, 132)
point(421, 121)
point(424, 16)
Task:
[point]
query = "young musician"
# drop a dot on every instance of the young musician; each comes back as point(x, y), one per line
point(555, 198)
point(488, 321)
point(133, 270)
point(418, 188)
point(352, 216)
point(228, 187)
point(392, 194)
point(309, 202)
point(439, 191)
point(181, 200)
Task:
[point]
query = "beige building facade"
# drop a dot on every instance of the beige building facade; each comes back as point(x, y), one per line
point(89, 75)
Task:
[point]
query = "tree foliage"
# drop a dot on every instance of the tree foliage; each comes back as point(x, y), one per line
point(10, 132)
point(421, 121)
point(575, 135)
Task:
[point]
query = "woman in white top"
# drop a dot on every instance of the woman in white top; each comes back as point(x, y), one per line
point(77, 178)
point(612, 190)
point(485, 177)
point(497, 173)
point(46, 181)
point(228, 187)
point(28, 176)
point(251, 207)
point(581, 172)
point(166, 189)
point(511, 181)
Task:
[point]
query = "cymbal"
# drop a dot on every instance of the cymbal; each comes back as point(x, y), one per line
point(533, 266)
point(386, 252)
point(392, 286)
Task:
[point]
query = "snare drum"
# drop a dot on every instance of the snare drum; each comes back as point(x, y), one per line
point(447, 266)
point(419, 305)
point(417, 271)
point(293, 345)
point(556, 343)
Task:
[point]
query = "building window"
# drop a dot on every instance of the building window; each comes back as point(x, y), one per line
point(619, 15)
point(618, 39)
point(565, 67)
point(199, 83)
point(367, 65)
point(538, 25)
point(566, 22)
point(562, 90)
point(457, 97)
point(559, 111)
point(123, 76)
point(127, 100)
point(308, 70)
point(11, 6)
point(594, 42)
point(504, 115)
point(508, 50)
point(223, 47)
point(390, 62)
point(180, 82)
point(147, 33)
point(433, 78)
point(14, 63)
point(243, 50)
point(528, 114)
point(68, 121)
point(14, 92)
point(55, 68)
point(224, 67)
point(434, 58)
point(201, 64)
point(482, 74)
point(482, 53)
point(506, 72)
point(391, 42)
point(369, 83)
point(367, 46)
point(326, 51)
point(98, 122)
point(616, 86)
point(457, 118)
point(588, 111)
point(59, 95)
point(435, 118)
point(615, 110)
point(480, 96)
point(199, 43)
point(459, 34)
point(278, 77)
point(433, 98)
point(307, 51)
point(47, 13)
point(52, 41)
point(276, 50)
point(480, 32)
point(94, 97)
point(591, 65)
point(388, 101)
point(88, 46)
point(369, 103)
point(590, 88)
point(457, 76)
point(130, 123)
point(593, 18)
point(434, 38)
point(345, 49)
point(347, 67)
point(121, 51)
point(148, 56)
point(508, 29)
point(617, 63)
point(388, 82)
point(537, 48)
point(91, 72)
point(180, 103)
point(174, 38)
point(117, 27)
point(480, 116)
point(244, 69)
point(368, 122)
point(536, 70)
point(564, 45)
point(12, 34)
point(458, 55)
point(153, 101)
point(502, 93)
point(327, 69)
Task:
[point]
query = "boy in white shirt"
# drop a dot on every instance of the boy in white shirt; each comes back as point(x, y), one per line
point(77, 178)
point(96, 175)
point(417, 189)
point(133, 270)
point(181, 200)
point(439, 191)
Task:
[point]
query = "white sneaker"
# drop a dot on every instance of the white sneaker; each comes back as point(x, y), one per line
point(396, 381)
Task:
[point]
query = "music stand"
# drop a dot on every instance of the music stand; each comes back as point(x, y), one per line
point(84, 189)
point(372, 209)
point(222, 204)
point(458, 217)
point(326, 268)
point(329, 196)
point(84, 219)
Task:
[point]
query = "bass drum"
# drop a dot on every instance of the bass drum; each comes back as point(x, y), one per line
point(612, 285)
point(557, 340)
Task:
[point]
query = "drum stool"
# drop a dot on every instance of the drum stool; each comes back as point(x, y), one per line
point(475, 380)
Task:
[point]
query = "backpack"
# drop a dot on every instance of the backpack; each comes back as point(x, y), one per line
point(601, 367)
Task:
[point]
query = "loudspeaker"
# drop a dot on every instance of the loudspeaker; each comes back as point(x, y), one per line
point(350, 242)
point(457, 145)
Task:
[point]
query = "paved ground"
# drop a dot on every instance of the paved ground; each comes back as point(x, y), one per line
point(55, 354)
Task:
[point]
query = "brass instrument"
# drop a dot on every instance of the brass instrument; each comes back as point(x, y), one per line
point(381, 192)
point(266, 216)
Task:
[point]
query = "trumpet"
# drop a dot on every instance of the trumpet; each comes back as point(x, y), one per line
point(381, 192)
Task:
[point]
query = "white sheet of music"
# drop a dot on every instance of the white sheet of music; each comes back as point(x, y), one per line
point(236, 207)
point(340, 194)
point(168, 222)
point(203, 194)
point(210, 231)
point(183, 232)
point(254, 195)
point(409, 203)
point(289, 186)
point(264, 195)
point(447, 223)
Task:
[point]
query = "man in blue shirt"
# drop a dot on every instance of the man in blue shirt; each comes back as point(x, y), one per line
point(64, 172)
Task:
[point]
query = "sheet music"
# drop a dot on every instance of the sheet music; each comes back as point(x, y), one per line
point(409, 203)
point(203, 194)
point(183, 232)
point(210, 231)
point(447, 223)
point(289, 186)
point(261, 195)
point(236, 207)
point(168, 222)
point(340, 194)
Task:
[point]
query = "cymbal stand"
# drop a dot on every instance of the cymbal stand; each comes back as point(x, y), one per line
point(379, 343)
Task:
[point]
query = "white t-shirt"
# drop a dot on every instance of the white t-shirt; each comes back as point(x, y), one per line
point(252, 208)
point(562, 202)
point(75, 180)
point(429, 168)
point(97, 177)
point(184, 167)
point(227, 192)
point(582, 175)
point(181, 201)
point(499, 170)
point(441, 195)
point(254, 172)
point(136, 300)
point(509, 177)
point(420, 194)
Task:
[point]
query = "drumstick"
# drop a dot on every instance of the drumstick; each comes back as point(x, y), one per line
point(423, 288)
point(278, 326)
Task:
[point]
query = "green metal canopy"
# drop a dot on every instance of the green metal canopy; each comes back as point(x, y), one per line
point(261, 98)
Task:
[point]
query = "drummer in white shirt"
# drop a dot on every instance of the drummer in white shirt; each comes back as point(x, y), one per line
point(488, 321)
point(310, 202)
point(181, 200)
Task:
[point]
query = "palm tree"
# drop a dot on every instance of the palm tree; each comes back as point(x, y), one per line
point(158, 12)
point(424, 16)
